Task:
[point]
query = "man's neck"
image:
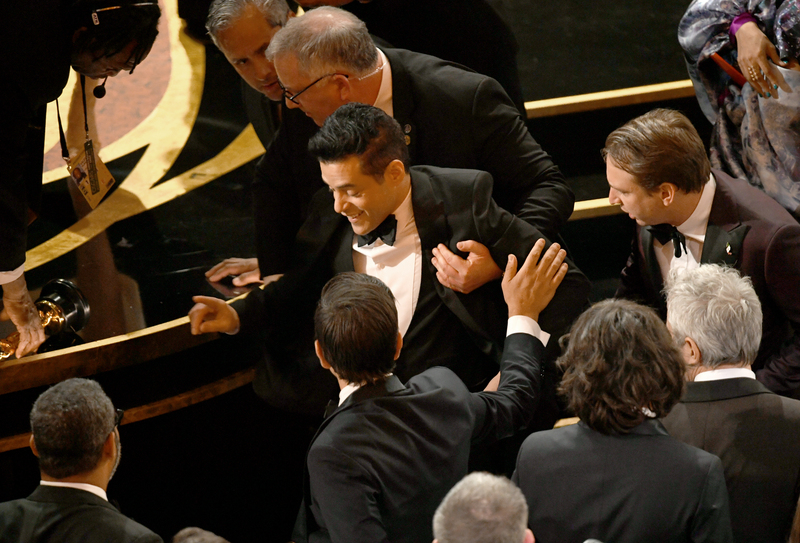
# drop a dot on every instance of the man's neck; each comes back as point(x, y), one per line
point(90, 478)
point(366, 90)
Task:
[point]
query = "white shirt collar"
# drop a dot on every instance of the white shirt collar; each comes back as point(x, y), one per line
point(350, 388)
point(695, 226)
point(725, 373)
point(404, 214)
point(384, 99)
point(96, 490)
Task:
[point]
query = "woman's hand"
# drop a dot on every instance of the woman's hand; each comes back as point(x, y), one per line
point(755, 52)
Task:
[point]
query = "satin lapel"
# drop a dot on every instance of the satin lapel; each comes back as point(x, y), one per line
point(723, 247)
point(402, 101)
point(725, 232)
point(650, 261)
point(433, 229)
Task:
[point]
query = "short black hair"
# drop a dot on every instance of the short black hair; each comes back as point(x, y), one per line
point(113, 24)
point(356, 326)
point(363, 131)
point(70, 423)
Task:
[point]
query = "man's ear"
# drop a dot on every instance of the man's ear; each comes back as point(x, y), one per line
point(666, 193)
point(32, 445)
point(399, 345)
point(691, 352)
point(320, 355)
point(110, 445)
point(529, 536)
point(395, 172)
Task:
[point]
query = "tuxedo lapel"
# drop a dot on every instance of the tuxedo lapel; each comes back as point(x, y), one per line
point(725, 232)
point(433, 228)
point(723, 247)
point(651, 263)
point(403, 102)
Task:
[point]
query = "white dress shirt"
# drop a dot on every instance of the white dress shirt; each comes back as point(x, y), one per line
point(395, 264)
point(724, 373)
point(96, 490)
point(694, 229)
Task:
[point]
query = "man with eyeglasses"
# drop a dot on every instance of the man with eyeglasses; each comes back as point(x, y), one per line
point(451, 117)
point(75, 437)
point(98, 39)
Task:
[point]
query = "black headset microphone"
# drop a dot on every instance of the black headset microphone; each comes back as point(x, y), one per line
point(100, 90)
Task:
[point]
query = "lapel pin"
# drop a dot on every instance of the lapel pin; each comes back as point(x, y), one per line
point(728, 249)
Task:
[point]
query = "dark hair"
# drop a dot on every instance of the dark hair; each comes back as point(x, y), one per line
point(70, 422)
point(223, 13)
point(364, 131)
point(119, 22)
point(658, 147)
point(620, 359)
point(356, 326)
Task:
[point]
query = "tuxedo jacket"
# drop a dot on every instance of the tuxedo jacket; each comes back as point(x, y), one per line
point(452, 118)
point(68, 515)
point(756, 434)
point(449, 206)
point(642, 486)
point(379, 466)
point(751, 232)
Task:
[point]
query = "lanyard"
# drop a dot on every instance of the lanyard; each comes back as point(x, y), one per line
point(88, 146)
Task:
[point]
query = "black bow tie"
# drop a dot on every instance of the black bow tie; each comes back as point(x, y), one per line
point(665, 233)
point(386, 231)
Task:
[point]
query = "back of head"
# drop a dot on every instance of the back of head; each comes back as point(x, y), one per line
point(70, 423)
point(719, 309)
point(482, 508)
point(110, 25)
point(620, 365)
point(223, 13)
point(356, 326)
point(658, 147)
point(326, 40)
point(364, 131)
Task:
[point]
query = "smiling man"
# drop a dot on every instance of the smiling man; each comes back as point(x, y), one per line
point(688, 214)
point(380, 217)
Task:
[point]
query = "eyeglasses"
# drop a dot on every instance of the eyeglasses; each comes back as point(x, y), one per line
point(293, 97)
point(118, 417)
point(96, 19)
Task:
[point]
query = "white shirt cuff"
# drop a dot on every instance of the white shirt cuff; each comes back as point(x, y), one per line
point(520, 324)
point(13, 275)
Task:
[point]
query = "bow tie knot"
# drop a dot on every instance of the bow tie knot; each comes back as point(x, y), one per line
point(385, 231)
point(665, 233)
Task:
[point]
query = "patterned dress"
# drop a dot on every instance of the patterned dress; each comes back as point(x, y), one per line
point(754, 138)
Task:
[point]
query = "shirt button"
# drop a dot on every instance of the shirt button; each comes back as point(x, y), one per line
point(380, 266)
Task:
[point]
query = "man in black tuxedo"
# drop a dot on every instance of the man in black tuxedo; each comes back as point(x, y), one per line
point(75, 437)
point(687, 215)
point(387, 454)
point(714, 313)
point(450, 118)
point(364, 162)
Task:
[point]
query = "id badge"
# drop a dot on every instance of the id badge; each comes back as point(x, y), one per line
point(90, 174)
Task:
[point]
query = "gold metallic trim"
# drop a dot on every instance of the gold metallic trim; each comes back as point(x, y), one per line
point(160, 407)
point(167, 127)
point(607, 99)
point(590, 209)
point(137, 196)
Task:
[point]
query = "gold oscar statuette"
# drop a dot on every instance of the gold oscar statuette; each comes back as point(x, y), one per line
point(61, 307)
